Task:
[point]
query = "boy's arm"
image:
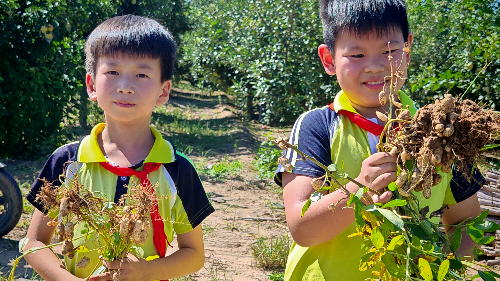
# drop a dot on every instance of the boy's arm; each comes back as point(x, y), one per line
point(319, 224)
point(456, 213)
point(45, 262)
point(188, 259)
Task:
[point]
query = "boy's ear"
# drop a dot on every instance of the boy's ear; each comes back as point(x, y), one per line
point(90, 87)
point(410, 40)
point(165, 92)
point(327, 59)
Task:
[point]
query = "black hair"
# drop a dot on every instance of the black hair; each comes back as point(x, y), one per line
point(361, 17)
point(135, 36)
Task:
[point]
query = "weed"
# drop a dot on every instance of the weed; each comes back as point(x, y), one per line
point(208, 230)
point(185, 278)
point(224, 168)
point(214, 274)
point(232, 224)
point(276, 276)
point(267, 159)
point(271, 252)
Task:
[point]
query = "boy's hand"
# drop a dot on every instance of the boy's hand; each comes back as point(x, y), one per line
point(377, 172)
point(129, 268)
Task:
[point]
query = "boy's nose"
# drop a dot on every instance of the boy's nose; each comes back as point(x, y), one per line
point(375, 66)
point(125, 89)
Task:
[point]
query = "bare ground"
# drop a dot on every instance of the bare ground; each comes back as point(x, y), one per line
point(240, 200)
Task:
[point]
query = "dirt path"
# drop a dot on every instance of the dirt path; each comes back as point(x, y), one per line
point(209, 133)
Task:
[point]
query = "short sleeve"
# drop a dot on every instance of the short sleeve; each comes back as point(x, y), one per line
point(462, 189)
point(192, 205)
point(312, 134)
point(51, 172)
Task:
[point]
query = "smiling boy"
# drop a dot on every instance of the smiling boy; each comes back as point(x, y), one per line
point(359, 37)
point(130, 62)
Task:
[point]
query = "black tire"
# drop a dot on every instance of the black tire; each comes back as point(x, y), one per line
point(11, 203)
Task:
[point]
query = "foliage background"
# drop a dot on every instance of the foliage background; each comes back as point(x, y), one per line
point(261, 52)
point(42, 72)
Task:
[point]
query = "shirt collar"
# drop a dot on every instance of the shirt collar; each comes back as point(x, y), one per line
point(89, 151)
point(341, 102)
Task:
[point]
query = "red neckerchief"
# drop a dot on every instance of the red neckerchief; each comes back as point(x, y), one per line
point(159, 237)
point(361, 121)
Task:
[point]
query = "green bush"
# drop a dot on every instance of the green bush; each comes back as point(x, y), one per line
point(454, 40)
point(267, 160)
point(262, 51)
point(271, 252)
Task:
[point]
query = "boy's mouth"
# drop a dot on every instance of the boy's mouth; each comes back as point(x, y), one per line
point(375, 85)
point(123, 104)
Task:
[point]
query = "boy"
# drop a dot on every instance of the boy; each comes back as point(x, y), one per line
point(129, 65)
point(345, 133)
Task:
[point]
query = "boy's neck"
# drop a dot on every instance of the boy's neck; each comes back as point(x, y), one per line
point(126, 145)
point(370, 112)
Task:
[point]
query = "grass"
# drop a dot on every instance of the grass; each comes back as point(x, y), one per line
point(276, 276)
point(225, 167)
point(271, 253)
point(195, 133)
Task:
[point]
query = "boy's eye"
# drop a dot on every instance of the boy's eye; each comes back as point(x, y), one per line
point(358, 56)
point(112, 72)
point(392, 51)
point(142, 75)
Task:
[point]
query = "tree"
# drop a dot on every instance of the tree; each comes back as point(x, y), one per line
point(455, 41)
point(262, 51)
point(42, 65)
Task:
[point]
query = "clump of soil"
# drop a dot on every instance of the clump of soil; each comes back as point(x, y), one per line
point(445, 133)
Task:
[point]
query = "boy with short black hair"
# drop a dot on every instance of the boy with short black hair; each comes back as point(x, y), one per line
point(130, 62)
point(359, 37)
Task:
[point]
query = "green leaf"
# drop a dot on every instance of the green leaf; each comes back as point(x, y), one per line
point(306, 207)
point(396, 241)
point(370, 208)
point(486, 240)
point(363, 264)
point(137, 251)
point(490, 146)
point(479, 218)
point(415, 241)
point(395, 203)
point(443, 269)
point(22, 243)
point(395, 219)
point(456, 239)
point(82, 249)
point(487, 276)
point(332, 168)
point(428, 247)
point(487, 226)
point(396, 270)
point(425, 269)
point(358, 207)
point(116, 236)
point(377, 238)
point(352, 197)
point(474, 233)
point(455, 264)
point(392, 187)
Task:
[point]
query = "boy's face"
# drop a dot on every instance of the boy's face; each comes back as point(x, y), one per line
point(362, 65)
point(128, 88)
